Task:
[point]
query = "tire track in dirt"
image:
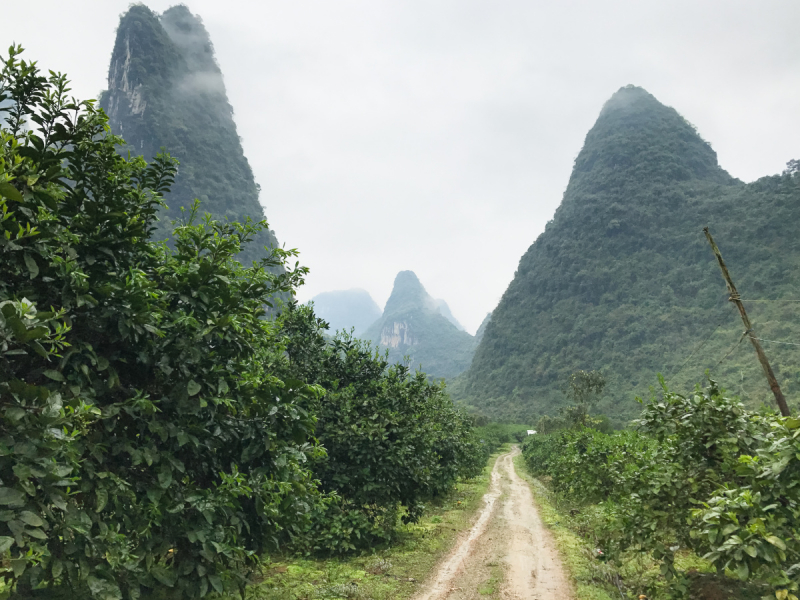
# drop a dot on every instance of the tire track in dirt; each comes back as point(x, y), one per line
point(507, 534)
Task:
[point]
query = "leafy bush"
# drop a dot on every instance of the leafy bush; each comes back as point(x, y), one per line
point(143, 443)
point(393, 439)
point(701, 473)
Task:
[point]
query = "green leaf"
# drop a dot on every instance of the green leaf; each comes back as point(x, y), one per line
point(33, 268)
point(11, 497)
point(743, 571)
point(163, 575)
point(10, 192)
point(18, 566)
point(102, 500)
point(15, 413)
point(36, 533)
point(216, 582)
point(54, 375)
point(5, 543)
point(776, 541)
point(192, 387)
point(57, 568)
point(30, 518)
point(165, 477)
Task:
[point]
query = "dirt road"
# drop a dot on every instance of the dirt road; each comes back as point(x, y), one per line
point(507, 553)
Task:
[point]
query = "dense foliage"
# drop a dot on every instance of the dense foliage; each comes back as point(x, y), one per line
point(701, 472)
point(166, 91)
point(413, 326)
point(143, 443)
point(157, 427)
point(622, 280)
point(393, 439)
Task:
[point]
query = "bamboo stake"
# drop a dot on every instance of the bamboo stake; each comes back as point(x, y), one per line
point(762, 358)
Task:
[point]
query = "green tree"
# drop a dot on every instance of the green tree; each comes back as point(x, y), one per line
point(144, 444)
point(583, 390)
point(393, 439)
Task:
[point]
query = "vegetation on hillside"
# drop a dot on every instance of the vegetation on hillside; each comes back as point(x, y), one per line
point(700, 473)
point(622, 280)
point(157, 429)
point(166, 91)
point(412, 326)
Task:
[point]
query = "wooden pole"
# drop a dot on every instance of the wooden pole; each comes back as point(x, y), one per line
point(762, 358)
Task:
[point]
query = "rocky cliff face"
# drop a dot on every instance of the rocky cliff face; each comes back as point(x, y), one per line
point(165, 90)
point(413, 326)
point(396, 334)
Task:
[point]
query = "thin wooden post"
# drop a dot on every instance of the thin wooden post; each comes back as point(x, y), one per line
point(762, 358)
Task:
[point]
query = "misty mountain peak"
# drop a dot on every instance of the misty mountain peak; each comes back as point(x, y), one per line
point(413, 326)
point(408, 292)
point(635, 135)
point(165, 90)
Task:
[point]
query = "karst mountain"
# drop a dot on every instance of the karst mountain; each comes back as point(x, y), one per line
point(165, 90)
point(347, 309)
point(622, 280)
point(413, 326)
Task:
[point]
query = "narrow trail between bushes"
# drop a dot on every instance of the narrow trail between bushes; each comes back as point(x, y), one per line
point(508, 553)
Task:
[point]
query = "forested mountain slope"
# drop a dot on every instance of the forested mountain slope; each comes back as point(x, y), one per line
point(165, 90)
point(346, 309)
point(412, 325)
point(622, 279)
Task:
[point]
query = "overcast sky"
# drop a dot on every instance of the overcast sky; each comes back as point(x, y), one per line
point(438, 136)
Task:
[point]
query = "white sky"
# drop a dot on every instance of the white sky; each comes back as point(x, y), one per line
point(438, 136)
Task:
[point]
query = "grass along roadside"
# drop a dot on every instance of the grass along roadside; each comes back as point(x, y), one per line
point(395, 572)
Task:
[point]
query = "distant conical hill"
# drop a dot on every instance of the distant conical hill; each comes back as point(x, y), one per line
point(412, 325)
point(165, 90)
point(448, 314)
point(622, 280)
point(347, 309)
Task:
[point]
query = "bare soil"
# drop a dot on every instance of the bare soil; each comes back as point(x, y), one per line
point(507, 553)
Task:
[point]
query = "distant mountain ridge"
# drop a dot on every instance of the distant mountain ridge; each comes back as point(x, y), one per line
point(448, 314)
point(346, 309)
point(165, 90)
point(413, 325)
point(622, 279)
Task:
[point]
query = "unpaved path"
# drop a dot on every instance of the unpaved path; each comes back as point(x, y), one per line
point(507, 553)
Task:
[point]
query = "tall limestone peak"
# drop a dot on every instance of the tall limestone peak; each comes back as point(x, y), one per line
point(622, 279)
point(413, 326)
point(408, 294)
point(637, 136)
point(165, 90)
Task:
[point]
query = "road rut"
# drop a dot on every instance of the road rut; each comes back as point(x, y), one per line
point(507, 553)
